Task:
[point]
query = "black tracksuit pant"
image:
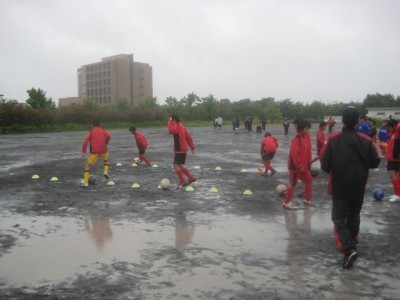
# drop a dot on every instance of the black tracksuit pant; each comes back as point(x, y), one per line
point(346, 210)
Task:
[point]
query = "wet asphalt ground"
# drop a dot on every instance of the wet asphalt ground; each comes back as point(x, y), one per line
point(59, 241)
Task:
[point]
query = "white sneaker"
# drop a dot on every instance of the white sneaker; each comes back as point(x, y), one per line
point(287, 205)
point(394, 198)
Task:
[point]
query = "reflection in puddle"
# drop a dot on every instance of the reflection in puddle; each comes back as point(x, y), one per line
point(98, 228)
point(185, 254)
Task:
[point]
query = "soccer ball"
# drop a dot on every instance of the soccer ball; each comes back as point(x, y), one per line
point(92, 179)
point(137, 160)
point(378, 194)
point(164, 184)
point(281, 189)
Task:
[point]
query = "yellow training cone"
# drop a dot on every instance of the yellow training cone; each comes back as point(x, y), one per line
point(155, 166)
point(53, 179)
point(189, 189)
point(159, 187)
point(197, 167)
point(243, 170)
point(214, 190)
point(136, 185)
point(35, 176)
point(260, 169)
point(247, 192)
point(110, 182)
point(218, 169)
point(134, 165)
point(118, 164)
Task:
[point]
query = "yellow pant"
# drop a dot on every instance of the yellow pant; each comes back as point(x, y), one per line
point(92, 159)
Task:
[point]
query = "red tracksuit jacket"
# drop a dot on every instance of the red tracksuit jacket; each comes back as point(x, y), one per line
point(268, 145)
point(320, 139)
point(299, 154)
point(393, 147)
point(182, 138)
point(98, 138)
point(141, 141)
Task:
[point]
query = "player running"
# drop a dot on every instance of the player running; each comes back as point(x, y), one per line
point(141, 144)
point(182, 142)
point(268, 148)
point(98, 139)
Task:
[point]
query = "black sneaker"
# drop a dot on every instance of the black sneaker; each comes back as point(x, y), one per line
point(192, 180)
point(106, 176)
point(273, 172)
point(349, 258)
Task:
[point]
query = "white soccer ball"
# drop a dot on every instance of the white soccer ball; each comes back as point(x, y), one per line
point(137, 160)
point(164, 184)
point(281, 189)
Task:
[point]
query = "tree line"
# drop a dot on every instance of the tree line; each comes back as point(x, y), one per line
point(39, 113)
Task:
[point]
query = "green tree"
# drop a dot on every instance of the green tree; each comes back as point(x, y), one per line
point(315, 110)
point(379, 100)
point(89, 104)
point(272, 112)
point(190, 101)
point(173, 106)
point(122, 104)
point(150, 102)
point(37, 99)
point(209, 106)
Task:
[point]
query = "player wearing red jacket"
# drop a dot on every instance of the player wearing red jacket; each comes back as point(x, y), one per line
point(320, 139)
point(141, 144)
point(393, 157)
point(98, 139)
point(182, 142)
point(268, 148)
point(299, 164)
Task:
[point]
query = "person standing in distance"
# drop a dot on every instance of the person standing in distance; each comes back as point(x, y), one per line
point(286, 125)
point(347, 157)
point(182, 142)
point(98, 139)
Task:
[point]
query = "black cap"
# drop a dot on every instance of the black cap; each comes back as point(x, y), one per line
point(350, 116)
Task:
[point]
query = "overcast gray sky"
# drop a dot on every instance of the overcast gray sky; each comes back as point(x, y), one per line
point(301, 49)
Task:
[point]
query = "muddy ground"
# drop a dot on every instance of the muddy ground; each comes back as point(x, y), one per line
point(59, 241)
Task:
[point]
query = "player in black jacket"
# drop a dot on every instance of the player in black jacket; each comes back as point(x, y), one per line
point(347, 157)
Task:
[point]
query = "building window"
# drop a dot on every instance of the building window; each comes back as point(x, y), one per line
point(109, 99)
point(108, 73)
point(108, 65)
point(104, 82)
point(109, 81)
point(109, 90)
point(397, 113)
point(88, 92)
point(380, 114)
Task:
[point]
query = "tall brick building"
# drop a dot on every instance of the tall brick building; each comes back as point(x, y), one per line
point(113, 78)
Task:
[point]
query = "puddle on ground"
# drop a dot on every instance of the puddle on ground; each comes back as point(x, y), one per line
point(222, 247)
